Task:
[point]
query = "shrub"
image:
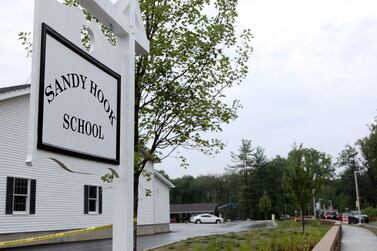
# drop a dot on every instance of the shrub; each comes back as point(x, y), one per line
point(371, 212)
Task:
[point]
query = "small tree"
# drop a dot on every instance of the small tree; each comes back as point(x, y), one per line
point(265, 204)
point(306, 170)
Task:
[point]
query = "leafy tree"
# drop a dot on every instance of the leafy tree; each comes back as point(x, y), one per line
point(269, 179)
point(184, 190)
point(348, 162)
point(265, 204)
point(179, 89)
point(368, 147)
point(306, 170)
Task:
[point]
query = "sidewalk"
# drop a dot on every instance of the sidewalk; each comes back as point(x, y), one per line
point(358, 238)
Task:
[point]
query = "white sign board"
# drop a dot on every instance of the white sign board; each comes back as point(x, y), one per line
point(77, 96)
point(79, 102)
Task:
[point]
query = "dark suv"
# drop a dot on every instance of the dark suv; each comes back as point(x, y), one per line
point(354, 217)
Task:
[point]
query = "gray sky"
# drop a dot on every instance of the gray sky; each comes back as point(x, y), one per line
point(312, 75)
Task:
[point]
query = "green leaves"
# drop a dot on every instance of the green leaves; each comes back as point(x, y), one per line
point(265, 204)
point(25, 38)
point(193, 60)
point(306, 171)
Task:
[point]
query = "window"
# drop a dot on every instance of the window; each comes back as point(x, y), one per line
point(20, 195)
point(20, 198)
point(92, 199)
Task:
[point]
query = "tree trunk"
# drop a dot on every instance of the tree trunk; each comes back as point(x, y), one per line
point(136, 205)
point(302, 218)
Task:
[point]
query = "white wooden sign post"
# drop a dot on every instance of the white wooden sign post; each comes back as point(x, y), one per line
point(82, 102)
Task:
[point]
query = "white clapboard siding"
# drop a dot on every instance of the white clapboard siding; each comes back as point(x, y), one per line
point(161, 202)
point(145, 210)
point(60, 194)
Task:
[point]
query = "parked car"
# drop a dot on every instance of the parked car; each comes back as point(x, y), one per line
point(354, 217)
point(331, 215)
point(206, 218)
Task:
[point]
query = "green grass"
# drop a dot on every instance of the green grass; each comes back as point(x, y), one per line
point(286, 236)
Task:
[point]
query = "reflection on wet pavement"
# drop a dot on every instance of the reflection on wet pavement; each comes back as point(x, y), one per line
point(178, 232)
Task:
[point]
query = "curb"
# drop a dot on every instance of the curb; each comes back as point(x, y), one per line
point(52, 236)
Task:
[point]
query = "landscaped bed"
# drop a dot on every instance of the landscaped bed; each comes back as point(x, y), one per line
point(287, 236)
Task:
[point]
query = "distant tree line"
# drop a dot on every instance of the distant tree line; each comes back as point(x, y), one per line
point(260, 186)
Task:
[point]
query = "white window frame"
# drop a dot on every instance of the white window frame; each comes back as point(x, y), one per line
point(27, 209)
point(96, 199)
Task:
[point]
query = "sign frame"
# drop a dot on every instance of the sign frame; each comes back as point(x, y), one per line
point(48, 31)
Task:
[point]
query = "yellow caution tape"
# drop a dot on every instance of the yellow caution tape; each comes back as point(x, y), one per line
point(53, 236)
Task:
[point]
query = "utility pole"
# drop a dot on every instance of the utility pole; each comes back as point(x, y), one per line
point(357, 195)
point(320, 208)
point(315, 215)
point(313, 190)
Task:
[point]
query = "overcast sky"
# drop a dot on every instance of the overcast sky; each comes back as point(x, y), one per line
point(312, 75)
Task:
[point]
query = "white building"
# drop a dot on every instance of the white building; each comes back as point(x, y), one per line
point(45, 197)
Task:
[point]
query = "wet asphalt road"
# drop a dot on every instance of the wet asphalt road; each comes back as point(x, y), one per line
point(178, 232)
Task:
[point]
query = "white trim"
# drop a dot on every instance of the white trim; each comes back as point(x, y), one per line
point(125, 19)
point(96, 199)
point(13, 94)
point(27, 195)
point(163, 179)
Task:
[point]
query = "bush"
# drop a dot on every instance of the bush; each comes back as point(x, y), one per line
point(371, 212)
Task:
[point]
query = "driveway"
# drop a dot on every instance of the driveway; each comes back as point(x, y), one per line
point(178, 232)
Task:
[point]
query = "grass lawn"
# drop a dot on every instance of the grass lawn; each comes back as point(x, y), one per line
point(286, 236)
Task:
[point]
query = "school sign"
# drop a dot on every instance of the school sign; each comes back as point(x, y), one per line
point(82, 101)
point(79, 109)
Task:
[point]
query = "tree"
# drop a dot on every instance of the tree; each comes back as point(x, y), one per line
point(269, 179)
point(348, 162)
point(259, 158)
point(306, 170)
point(179, 90)
point(242, 164)
point(265, 204)
point(368, 148)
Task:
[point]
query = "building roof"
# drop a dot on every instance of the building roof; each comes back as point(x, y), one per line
point(163, 179)
point(13, 88)
point(14, 91)
point(193, 208)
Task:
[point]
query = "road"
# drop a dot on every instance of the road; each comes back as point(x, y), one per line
point(178, 232)
point(357, 238)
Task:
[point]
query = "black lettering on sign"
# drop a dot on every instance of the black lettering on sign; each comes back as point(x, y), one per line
point(65, 121)
point(82, 126)
point(49, 93)
point(74, 81)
